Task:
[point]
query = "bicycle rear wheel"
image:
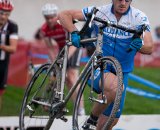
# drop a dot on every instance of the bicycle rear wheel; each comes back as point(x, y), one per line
point(39, 95)
point(78, 121)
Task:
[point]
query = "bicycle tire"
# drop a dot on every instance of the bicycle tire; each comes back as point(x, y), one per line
point(35, 87)
point(76, 124)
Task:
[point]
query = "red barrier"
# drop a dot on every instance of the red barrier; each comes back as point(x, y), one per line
point(152, 60)
point(18, 67)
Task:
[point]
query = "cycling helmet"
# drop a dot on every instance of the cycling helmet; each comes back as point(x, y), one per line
point(49, 9)
point(6, 5)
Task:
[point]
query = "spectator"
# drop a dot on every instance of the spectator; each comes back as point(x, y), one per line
point(157, 31)
point(8, 41)
point(54, 35)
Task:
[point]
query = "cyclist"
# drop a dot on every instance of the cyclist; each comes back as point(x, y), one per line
point(8, 41)
point(54, 34)
point(116, 44)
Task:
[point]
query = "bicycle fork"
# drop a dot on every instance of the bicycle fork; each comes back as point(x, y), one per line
point(98, 53)
point(103, 99)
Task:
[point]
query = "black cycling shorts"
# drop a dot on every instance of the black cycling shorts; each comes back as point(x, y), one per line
point(74, 61)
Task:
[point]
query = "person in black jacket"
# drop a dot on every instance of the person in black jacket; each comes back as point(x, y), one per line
point(8, 41)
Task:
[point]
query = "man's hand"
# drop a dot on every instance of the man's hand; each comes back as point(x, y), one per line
point(75, 39)
point(136, 44)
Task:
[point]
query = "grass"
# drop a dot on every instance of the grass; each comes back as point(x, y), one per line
point(140, 105)
point(12, 101)
point(134, 104)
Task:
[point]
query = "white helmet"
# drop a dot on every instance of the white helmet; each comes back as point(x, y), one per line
point(49, 9)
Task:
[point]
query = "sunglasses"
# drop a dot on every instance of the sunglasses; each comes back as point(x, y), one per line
point(125, 0)
point(6, 13)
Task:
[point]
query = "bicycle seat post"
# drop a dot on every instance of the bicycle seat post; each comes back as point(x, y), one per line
point(99, 42)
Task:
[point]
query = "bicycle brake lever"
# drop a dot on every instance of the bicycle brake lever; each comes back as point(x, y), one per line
point(92, 18)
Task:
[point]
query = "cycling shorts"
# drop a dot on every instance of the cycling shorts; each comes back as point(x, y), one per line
point(97, 89)
point(74, 61)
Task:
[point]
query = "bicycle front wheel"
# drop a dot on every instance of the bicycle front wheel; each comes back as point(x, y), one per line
point(35, 111)
point(102, 63)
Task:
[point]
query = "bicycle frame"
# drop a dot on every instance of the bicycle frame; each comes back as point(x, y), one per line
point(91, 63)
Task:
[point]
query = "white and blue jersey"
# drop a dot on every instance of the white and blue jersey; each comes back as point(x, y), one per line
point(116, 42)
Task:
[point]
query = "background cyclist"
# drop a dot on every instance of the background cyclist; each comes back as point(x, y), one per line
point(8, 41)
point(54, 35)
point(116, 44)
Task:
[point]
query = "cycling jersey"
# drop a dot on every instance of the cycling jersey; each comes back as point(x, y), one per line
point(8, 31)
point(57, 33)
point(116, 42)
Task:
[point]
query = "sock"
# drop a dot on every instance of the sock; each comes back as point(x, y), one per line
point(92, 119)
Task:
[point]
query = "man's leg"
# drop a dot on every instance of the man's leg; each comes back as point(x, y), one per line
point(104, 117)
point(110, 89)
point(102, 120)
point(3, 79)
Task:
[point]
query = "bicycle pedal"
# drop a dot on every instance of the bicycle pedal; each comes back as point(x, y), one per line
point(64, 119)
point(101, 101)
point(30, 108)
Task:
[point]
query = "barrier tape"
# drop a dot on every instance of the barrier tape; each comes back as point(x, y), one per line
point(45, 56)
point(140, 92)
point(143, 93)
point(41, 56)
point(144, 81)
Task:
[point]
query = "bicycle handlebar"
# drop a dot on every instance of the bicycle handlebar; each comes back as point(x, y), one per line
point(91, 17)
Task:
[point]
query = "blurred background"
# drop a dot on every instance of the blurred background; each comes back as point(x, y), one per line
point(28, 12)
point(143, 99)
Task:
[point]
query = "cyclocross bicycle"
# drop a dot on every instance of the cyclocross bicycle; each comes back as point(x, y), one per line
point(45, 98)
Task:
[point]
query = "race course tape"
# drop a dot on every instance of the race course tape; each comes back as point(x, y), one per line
point(141, 92)
point(45, 56)
point(144, 81)
point(40, 56)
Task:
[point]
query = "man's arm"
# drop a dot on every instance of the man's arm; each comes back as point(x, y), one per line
point(10, 48)
point(66, 19)
point(147, 48)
